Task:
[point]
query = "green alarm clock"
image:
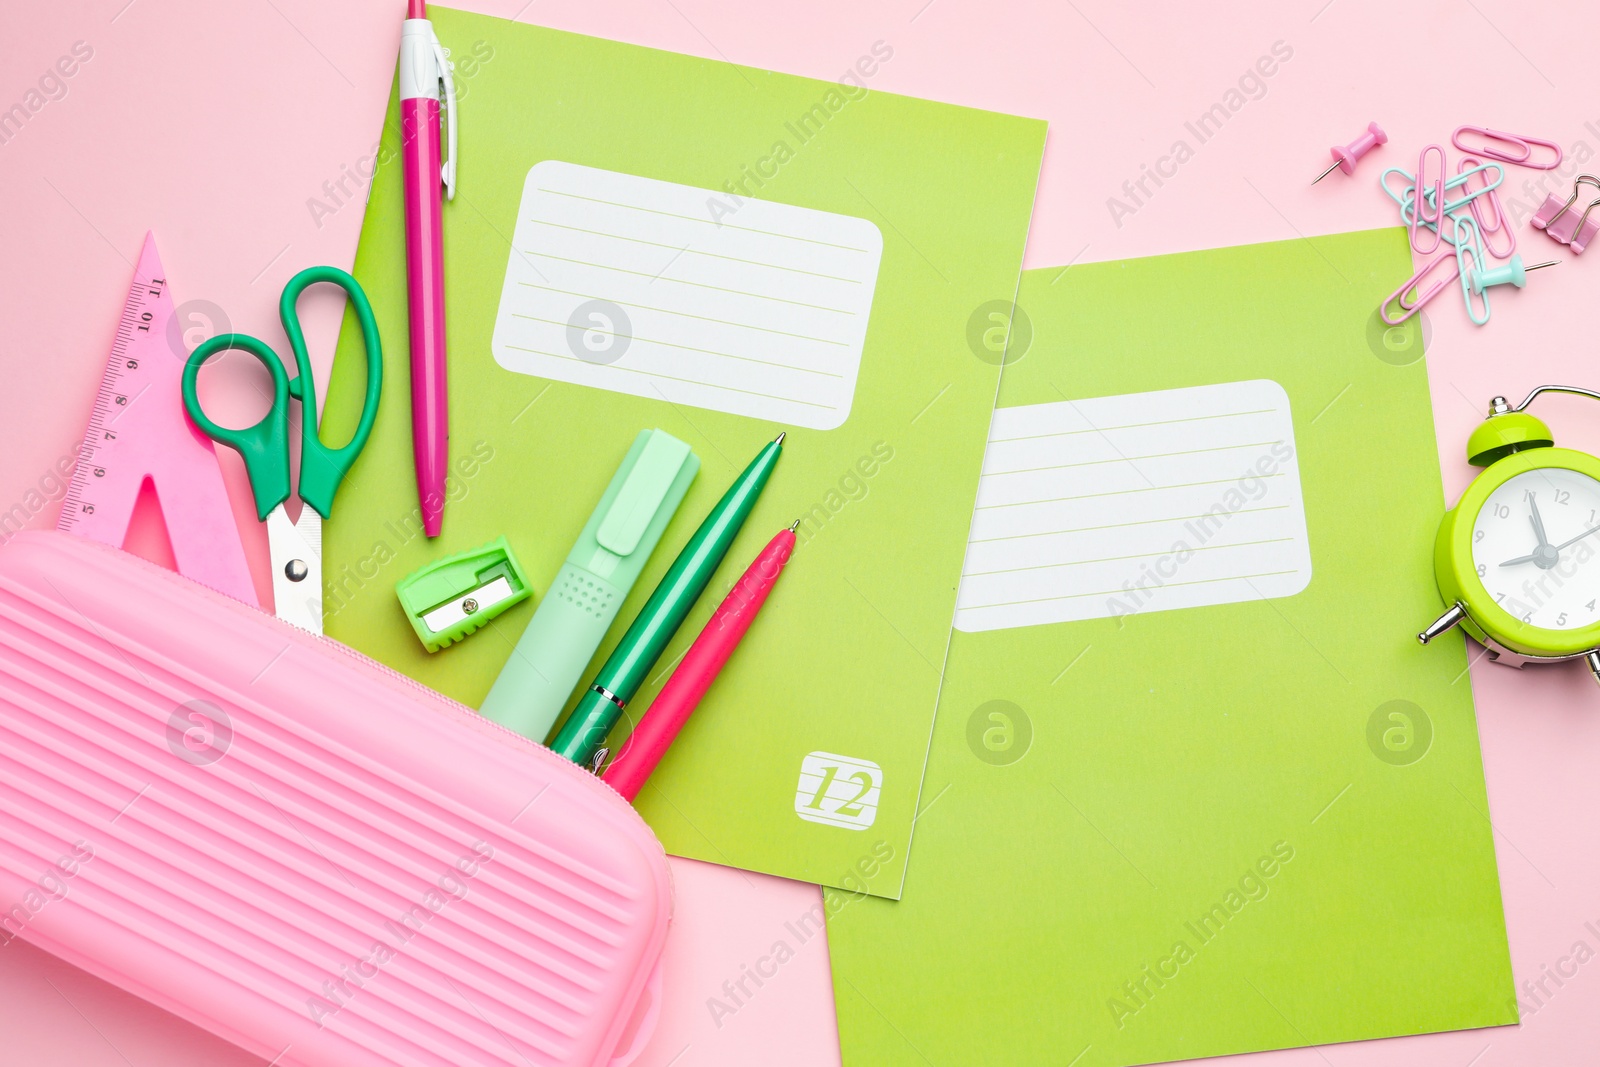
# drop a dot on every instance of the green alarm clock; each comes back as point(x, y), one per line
point(1518, 559)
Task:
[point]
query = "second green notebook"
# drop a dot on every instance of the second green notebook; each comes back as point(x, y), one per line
point(1195, 788)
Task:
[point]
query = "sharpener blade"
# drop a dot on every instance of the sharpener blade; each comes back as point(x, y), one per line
point(451, 612)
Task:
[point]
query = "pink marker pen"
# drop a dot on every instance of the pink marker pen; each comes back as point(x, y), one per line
point(423, 68)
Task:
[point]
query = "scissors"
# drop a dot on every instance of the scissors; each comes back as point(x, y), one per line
point(295, 547)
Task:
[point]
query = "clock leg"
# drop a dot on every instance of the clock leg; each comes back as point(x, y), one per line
point(1443, 623)
point(1592, 658)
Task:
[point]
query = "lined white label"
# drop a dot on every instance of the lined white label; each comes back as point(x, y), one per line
point(838, 790)
point(681, 294)
point(1117, 505)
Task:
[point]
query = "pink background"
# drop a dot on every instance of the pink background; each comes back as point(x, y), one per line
point(213, 123)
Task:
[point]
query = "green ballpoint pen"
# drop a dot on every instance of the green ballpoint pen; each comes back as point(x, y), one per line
point(624, 672)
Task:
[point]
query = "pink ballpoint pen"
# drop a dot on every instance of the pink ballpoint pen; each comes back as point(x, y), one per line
point(701, 664)
point(423, 67)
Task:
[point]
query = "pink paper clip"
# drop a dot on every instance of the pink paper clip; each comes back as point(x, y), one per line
point(1520, 148)
point(1565, 226)
point(1411, 307)
point(1486, 209)
point(1421, 221)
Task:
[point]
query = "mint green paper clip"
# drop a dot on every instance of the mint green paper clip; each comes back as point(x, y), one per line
point(1469, 261)
point(1405, 200)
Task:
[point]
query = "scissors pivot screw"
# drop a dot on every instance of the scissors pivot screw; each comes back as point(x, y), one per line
point(296, 570)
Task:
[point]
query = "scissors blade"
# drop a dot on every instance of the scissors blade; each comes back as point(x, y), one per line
point(296, 551)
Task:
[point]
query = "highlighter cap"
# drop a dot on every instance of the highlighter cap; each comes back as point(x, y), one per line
point(643, 495)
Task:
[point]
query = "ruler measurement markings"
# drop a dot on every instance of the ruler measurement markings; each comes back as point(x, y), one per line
point(97, 438)
point(138, 433)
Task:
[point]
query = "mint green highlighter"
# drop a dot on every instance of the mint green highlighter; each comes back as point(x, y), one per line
point(553, 652)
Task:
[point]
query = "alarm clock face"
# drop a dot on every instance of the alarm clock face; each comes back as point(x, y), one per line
point(1536, 547)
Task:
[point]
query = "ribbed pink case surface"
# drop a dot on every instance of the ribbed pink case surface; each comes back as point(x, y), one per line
point(294, 847)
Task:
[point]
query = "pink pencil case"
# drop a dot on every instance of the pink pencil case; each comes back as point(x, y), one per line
point(298, 849)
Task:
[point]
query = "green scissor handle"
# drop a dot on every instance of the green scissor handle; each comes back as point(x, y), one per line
point(264, 447)
point(323, 468)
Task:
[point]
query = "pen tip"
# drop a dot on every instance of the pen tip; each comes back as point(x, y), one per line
point(794, 526)
point(781, 435)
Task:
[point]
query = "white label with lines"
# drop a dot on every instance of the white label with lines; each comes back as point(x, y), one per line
point(637, 286)
point(838, 790)
point(1117, 505)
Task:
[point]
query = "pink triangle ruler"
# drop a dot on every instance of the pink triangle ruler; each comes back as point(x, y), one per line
point(139, 432)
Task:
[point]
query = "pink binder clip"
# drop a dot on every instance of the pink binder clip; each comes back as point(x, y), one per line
point(1565, 226)
point(1486, 209)
point(1419, 296)
point(1517, 149)
point(1421, 220)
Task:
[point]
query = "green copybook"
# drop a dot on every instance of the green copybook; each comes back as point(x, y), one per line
point(647, 240)
point(1195, 789)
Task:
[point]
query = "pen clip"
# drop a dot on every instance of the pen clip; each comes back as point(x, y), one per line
point(447, 170)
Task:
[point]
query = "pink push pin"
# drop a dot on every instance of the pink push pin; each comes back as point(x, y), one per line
point(1346, 158)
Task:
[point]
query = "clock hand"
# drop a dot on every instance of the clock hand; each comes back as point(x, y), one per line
point(1538, 523)
point(1559, 547)
point(1544, 545)
point(1580, 537)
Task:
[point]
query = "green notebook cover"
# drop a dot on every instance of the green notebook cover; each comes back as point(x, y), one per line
point(641, 239)
point(1195, 788)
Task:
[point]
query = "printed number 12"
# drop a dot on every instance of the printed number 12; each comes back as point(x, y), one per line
point(849, 807)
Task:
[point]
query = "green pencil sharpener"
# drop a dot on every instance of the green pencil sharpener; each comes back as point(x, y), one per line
point(452, 597)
